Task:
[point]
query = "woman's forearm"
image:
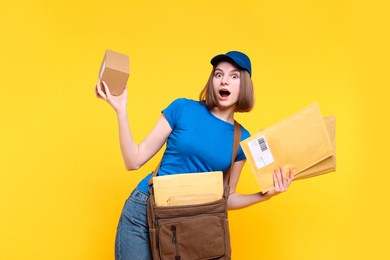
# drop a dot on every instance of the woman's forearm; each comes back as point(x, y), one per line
point(238, 201)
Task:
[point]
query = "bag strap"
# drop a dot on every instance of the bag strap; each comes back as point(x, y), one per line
point(236, 143)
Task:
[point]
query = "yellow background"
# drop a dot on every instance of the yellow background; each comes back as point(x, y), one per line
point(62, 180)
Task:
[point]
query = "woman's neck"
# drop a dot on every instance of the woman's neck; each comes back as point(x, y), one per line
point(224, 114)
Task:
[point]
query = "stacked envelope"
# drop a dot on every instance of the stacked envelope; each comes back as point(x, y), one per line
point(304, 141)
point(188, 188)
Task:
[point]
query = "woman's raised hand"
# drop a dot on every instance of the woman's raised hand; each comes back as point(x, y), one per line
point(119, 103)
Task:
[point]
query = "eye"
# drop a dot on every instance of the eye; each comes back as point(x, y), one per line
point(218, 75)
point(235, 76)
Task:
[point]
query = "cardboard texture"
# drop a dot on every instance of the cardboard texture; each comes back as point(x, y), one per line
point(189, 188)
point(327, 165)
point(115, 71)
point(299, 142)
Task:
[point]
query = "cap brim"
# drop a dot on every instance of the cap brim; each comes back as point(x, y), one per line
point(222, 57)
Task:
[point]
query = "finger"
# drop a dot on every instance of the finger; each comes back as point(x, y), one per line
point(282, 179)
point(291, 177)
point(278, 175)
point(276, 181)
point(283, 172)
point(96, 89)
point(100, 91)
point(106, 89)
point(284, 176)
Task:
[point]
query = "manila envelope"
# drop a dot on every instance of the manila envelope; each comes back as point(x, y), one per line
point(299, 142)
point(327, 165)
point(188, 188)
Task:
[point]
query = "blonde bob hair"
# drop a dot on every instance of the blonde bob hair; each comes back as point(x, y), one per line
point(245, 100)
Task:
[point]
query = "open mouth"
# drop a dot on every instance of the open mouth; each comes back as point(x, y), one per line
point(224, 93)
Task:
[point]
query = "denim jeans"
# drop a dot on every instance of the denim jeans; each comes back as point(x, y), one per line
point(132, 236)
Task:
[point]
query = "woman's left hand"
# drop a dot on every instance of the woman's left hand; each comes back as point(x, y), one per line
point(281, 182)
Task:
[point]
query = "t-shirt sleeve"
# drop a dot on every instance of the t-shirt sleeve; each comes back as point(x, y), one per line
point(240, 153)
point(174, 110)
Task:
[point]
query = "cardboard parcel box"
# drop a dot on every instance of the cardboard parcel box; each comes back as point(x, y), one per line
point(188, 188)
point(115, 71)
point(300, 141)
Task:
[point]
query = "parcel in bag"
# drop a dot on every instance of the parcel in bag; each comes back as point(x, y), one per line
point(188, 188)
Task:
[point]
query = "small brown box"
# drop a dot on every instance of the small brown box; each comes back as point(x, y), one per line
point(115, 71)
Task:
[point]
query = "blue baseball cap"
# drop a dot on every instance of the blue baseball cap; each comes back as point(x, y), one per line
point(239, 58)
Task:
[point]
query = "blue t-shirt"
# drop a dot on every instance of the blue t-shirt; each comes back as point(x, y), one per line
point(199, 141)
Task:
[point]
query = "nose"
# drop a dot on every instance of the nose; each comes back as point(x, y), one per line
point(225, 80)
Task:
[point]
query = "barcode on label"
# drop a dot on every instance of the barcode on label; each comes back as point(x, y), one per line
point(261, 152)
point(263, 144)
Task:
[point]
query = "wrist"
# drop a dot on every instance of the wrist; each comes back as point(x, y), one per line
point(121, 112)
point(264, 196)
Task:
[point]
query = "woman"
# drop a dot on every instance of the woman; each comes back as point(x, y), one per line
point(183, 125)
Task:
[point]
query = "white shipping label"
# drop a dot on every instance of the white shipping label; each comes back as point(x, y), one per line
point(260, 151)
